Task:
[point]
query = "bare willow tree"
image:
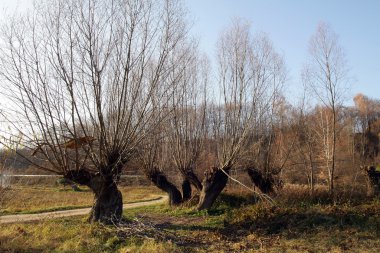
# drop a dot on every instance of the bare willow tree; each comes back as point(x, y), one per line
point(265, 155)
point(250, 75)
point(84, 80)
point(187, 126)
point(366, 139)
point(326, 74)
point(157, 163)
point(175, 145)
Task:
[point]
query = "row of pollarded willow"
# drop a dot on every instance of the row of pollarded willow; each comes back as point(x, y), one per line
point(250, 75)
point(125, 75)
point(117, 73)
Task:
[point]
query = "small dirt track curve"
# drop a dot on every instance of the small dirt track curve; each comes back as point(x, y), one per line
point(73, 212)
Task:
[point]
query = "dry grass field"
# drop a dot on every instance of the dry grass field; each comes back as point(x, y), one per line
point(238, 223)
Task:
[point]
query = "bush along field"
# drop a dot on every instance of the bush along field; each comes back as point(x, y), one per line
point(237, 223)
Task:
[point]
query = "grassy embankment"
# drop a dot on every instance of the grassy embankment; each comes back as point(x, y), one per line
point(297, 223)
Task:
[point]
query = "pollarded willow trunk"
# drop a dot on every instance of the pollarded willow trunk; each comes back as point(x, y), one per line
point(212, 185)
point(373, 180)
point(186, 190)
point(265, 184)
point(192, 178)
point(108, 201)
point(160, 180)
point(108, 204)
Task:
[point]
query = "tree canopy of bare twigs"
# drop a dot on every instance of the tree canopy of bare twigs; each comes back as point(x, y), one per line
point(188, 124)
point(93, 73)
point(176, 144)
point(250, 75)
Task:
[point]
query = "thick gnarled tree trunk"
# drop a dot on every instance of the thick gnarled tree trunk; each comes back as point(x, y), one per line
point(108, 204)
point(373, 180)
point(160, 180)
point(265, 184)
point(186, 190)
point(212, 185)
point(192, 178)
point(108, 201)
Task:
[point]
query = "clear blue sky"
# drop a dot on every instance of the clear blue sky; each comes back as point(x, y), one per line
point(290, 24)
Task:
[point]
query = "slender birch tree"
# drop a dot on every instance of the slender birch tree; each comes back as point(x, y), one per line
point(326, 75)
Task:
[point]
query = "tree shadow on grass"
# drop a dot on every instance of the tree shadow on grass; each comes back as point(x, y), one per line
point(188, 227)
point(282, 220)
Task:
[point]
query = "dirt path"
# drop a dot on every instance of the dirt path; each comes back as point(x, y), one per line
point(74, 212)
